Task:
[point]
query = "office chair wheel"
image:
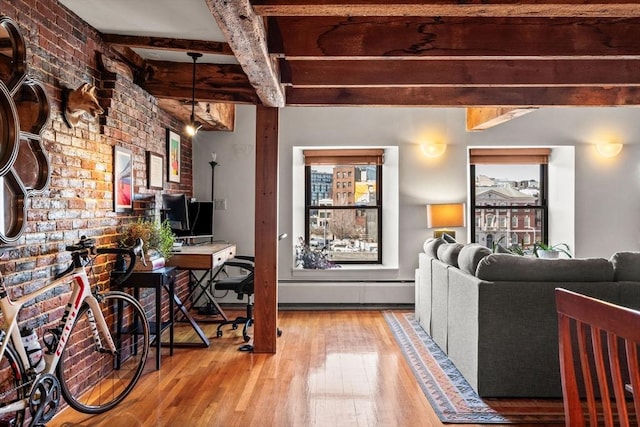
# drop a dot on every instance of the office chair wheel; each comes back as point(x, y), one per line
point(234, 326)
point(279, 332)
point(219, 334)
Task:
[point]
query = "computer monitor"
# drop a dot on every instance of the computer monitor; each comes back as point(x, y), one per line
point(201, 218)
point(176, 210)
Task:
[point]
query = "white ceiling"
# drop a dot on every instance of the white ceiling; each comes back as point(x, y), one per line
point(180, 19)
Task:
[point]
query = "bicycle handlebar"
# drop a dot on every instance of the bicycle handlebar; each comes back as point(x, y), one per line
point(132, 252)
point(85, 247)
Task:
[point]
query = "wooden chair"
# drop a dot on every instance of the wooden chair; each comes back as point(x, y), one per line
point(600, 330)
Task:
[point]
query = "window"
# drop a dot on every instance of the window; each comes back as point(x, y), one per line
point(503, 222)
point(515, 180)
point(351, 230)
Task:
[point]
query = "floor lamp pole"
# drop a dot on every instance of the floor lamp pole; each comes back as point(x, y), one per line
point(213, 164)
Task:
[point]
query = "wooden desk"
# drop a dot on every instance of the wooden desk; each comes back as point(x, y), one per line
point(204, 257)
point(161, 278)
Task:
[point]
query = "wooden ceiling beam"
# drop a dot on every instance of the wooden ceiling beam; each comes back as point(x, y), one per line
point(212, 116)
point(456, 38)
point(164, 43)
point(521, 97)
point(214, 82)
point(245, 32)
point(485, 118)
point(544, 8)
point(574, 72)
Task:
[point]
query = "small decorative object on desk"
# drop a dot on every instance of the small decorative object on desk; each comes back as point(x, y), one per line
point(152, 264)
point(312, 259)
point(158, 241)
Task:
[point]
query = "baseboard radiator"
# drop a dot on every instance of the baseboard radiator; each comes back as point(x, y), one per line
point(347, 292)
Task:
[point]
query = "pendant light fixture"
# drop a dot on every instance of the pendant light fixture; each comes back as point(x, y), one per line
point(193, 127)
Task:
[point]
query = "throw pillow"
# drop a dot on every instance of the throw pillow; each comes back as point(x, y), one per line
point(448, 238)
point(470, 255)
point(501, 249)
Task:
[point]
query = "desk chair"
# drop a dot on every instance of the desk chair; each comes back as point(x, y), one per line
point(606, 337)
point(241, 285)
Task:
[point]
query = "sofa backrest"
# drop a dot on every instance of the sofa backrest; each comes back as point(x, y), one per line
point(514, 268)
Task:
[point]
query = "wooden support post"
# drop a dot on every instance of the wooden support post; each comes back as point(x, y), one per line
point(266, 232)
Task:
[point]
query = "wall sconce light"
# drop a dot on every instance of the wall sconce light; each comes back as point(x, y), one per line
point(608, 149)
point(433, 150)
point(443, 216)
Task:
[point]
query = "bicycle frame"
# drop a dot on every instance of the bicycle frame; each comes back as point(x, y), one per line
point(81, 291)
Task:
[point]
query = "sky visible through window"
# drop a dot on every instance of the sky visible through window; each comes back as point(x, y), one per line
point(509, 172)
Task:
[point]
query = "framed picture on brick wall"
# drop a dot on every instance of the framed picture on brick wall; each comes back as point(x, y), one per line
point(173, 156)
point(122, 179)
point(155, 171)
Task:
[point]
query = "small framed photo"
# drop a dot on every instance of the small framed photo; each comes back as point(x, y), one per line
point(173, 156)
point(122, 179)
point(155, 171)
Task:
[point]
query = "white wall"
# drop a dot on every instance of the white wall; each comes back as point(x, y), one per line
point(234, 178)
point(607, 197)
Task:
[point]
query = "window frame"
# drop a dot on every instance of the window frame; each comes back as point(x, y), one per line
point(356, 157)
point(515, 157)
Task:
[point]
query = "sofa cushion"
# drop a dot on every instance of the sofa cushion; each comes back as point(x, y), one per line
point(470, 255)
point(431, 246)
point(626, 266)
point(514, 268)
point(448, 253)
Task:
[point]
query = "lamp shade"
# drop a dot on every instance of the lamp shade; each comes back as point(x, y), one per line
point(446, 215)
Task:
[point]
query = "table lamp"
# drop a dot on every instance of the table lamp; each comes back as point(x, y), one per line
point(444, 216)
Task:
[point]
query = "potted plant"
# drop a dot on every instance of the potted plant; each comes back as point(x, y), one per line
point(157, 237)
point(543, 250)
point(308, 258)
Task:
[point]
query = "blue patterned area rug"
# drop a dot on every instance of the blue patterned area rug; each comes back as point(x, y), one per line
point(450, 394)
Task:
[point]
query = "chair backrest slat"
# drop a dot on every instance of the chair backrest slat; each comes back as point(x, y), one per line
point(599, 328)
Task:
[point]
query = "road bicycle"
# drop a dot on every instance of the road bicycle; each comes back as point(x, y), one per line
point(94, 355)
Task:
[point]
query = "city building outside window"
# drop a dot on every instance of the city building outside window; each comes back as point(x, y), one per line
point(509, 196)
point(346, 225)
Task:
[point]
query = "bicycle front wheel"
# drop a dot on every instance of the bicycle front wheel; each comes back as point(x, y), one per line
point(92, 378)
point(12, 387)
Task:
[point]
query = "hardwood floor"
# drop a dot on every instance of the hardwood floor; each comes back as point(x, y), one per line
point(332, 368)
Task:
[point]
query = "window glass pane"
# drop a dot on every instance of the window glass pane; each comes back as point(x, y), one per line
point(332, 183)
point(507, 185)
point(345, 234)
point(515, 227)
point(355, 235)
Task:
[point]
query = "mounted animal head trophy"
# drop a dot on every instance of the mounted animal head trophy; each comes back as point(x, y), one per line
point(78, 102)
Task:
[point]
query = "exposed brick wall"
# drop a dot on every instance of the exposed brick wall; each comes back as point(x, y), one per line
point(62, 53)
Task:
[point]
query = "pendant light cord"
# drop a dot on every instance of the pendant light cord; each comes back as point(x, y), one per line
point(195, 56)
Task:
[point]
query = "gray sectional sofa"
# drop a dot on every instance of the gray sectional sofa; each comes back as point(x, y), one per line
point(495, 316)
